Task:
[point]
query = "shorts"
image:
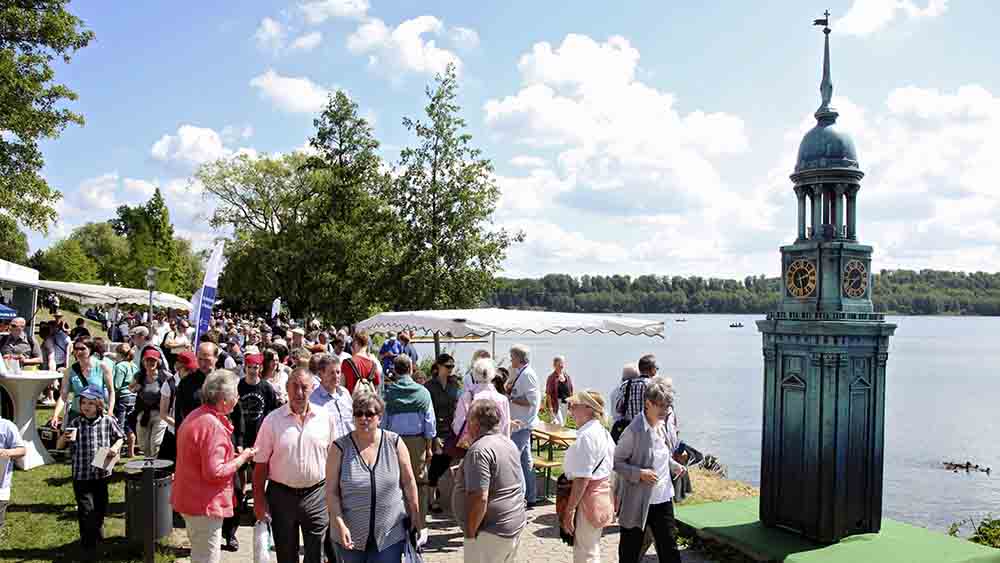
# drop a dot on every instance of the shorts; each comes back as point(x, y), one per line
point(123, 408)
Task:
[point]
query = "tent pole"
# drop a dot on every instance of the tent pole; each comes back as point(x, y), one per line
point(437, 345)
point(493, 340)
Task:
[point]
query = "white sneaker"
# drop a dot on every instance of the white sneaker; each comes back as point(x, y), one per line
point(422, 538)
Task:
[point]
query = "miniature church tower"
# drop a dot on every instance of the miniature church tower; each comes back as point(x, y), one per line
point(825, 351)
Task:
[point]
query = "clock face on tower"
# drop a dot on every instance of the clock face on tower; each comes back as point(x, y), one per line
point(855, 282)
point(800, 278)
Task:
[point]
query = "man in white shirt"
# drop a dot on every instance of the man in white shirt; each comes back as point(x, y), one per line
point(525, 397)
point(292, 446)
point(333, 396)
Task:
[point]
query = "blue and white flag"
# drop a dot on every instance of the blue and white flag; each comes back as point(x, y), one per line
point(204, 299)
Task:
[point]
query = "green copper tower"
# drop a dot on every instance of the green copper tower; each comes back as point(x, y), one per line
point(825, 352)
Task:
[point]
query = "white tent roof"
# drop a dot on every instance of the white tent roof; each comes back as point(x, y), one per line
point(17, 274)
point(481, 322)
point(90, 294)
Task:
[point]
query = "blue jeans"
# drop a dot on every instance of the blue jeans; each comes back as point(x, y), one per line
point(391, 554)
point(522, 439)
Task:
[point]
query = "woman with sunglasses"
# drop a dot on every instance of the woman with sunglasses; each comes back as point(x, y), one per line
point(87, 371)
point(370, 488)
point(445, 390)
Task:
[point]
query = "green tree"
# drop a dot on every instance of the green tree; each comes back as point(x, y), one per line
point(13, 242)
point(65, 261)
point(307, 229)
point(108, 249)
point(443, 198)
point(32, 34)
point(151, 243)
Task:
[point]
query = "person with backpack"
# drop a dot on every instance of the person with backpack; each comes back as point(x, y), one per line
point(361, 367)
point(147, 385)
point(87, 371)
point(629, 403)
point(185, 364)
point(124, 374)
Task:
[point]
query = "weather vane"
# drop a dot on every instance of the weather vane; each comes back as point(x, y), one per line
point(824, 21)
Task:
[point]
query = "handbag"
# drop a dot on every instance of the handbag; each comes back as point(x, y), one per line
point(452, 447)
point(564, 486)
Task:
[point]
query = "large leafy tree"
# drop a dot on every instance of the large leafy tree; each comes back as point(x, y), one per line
point(151, 244)
point(108, 249)
point(13, 242)
point(311, 230)
point(444, 197)
point(66, 261)
point(32, 34)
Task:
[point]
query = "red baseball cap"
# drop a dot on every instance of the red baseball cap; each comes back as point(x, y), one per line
point(254, 359)
point(151, 353)
point(187, 359)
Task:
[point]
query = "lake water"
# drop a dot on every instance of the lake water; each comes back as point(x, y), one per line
point(941, 400)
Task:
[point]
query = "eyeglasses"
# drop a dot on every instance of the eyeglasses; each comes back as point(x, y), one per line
point(450, 366)
point(79, 348)
point(365, 414)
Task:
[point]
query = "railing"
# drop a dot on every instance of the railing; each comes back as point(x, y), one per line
point(823, 316)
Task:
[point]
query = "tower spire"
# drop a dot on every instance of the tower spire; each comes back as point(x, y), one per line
point(825, 113)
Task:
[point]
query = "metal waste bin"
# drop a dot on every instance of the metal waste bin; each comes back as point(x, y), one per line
point(144, 510)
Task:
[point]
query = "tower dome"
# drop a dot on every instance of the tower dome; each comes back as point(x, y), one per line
point(826, 145)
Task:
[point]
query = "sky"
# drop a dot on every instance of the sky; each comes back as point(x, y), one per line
point(650, 137)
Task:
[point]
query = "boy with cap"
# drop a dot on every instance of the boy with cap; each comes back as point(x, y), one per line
point(92, 430)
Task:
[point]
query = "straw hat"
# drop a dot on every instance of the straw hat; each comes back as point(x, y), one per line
point(589, 398)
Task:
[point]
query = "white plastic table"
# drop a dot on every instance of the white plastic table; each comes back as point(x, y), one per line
point(24, 389)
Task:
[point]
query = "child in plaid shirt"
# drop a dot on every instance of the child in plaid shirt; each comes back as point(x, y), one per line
point(92, 430)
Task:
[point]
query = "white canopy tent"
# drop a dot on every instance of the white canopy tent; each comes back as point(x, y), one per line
point(461, 323)
point(90, 294)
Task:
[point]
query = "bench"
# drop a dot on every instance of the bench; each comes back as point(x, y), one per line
point(544, 468)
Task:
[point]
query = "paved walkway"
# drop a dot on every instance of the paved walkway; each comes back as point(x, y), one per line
point(539, 542)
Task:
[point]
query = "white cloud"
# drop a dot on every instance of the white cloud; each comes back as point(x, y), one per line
point(402, 49)
point(234, 133)
point(289, 93)
point(868, 16)
point(140, 188)
point(100, 192)
point(270, 35)
point(307, 42)
point(318, 11)
point(464, 37)
point(525, 161)
point(191, 146)
point(625, 149)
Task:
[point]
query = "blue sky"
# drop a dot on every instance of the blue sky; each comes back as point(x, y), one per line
point(654, 138)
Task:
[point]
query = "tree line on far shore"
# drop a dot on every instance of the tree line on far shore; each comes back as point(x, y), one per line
point(904, 292)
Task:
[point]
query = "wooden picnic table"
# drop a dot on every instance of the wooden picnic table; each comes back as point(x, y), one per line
point(550, 436)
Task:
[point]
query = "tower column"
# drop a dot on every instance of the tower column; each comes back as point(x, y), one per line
point(800, 193)
point(817, 210)
point(838, 209)
point(852, 213)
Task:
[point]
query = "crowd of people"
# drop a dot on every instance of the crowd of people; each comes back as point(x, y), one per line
point(348, 447)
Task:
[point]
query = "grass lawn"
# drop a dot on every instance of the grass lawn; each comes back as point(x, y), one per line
point(41, 519)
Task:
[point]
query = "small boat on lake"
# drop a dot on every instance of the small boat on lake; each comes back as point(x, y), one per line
point(736, 325)
point(680, 320)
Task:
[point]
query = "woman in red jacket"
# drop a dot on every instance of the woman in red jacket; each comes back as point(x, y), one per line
point(206, 462)
point(558, 388)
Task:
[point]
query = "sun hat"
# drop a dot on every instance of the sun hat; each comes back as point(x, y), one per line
point(253, 359)
point(151, 353)
point(587, 398)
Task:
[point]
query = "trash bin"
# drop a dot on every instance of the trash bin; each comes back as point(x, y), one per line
point(138, 514)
